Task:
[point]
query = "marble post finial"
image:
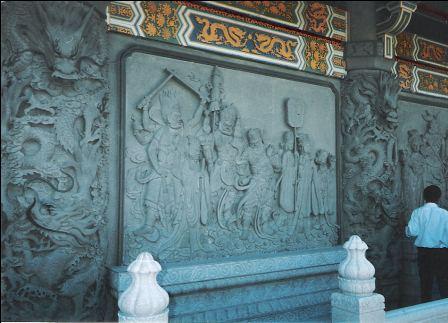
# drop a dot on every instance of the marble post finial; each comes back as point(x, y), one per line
point(356, 273)
point(144, 299)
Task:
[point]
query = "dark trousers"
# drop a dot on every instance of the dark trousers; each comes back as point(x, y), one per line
point(433, 263)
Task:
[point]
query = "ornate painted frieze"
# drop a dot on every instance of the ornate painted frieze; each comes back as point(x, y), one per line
point(422, 65)
point(54, 162)
point(212, 172)
point(422, 79)
point(309, 16)
point(209, 27)
point(214, 33)
point(415, 48)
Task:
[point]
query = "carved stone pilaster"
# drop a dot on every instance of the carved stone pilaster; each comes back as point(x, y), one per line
point(371, 182)
point(54, 161)
point(367, 54)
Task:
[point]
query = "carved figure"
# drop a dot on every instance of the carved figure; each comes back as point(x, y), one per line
point(332, 199)
point(319, 197)
point(432, 150)
point(255, 207)
point(413, 172)
point(197, 199)
point(223, 180)
point(305, 187)
point(165, 193)
point(287, 180)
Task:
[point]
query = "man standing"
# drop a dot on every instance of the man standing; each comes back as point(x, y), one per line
point(429, 224)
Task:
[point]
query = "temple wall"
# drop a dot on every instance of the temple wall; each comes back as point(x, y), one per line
point(240, 156)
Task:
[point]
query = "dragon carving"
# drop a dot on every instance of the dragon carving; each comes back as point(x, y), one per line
point(54, 155)
point(371, 183)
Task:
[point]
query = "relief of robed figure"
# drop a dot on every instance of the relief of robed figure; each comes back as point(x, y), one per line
point(287, 181)
point(164, 197)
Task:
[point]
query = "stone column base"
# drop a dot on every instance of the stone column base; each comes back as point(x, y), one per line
point(160, 318)
point(362, 309)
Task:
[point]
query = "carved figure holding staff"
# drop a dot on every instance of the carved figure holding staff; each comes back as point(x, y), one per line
point(164, 197)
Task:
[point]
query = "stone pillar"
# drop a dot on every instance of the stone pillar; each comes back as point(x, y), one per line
point(356, 302)
point(362, 20)
point(144, 300)
point(370, 168)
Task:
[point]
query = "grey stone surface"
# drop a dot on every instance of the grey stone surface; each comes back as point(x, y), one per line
point(422, 142)
point(212, 169)
point(348, 308)
point(50, 99)
point(54, 143)
point(371, 174)
point(245, 287)
point(423, 149)
point(391, 150)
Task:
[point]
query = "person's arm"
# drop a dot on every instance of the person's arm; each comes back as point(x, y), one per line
point(412, 229)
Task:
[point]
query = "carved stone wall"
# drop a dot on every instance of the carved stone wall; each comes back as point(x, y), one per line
point(221, 163)
point(389, 156)
point(54, 157)
point(423, 154)
point(423, 149)
point(371, 177)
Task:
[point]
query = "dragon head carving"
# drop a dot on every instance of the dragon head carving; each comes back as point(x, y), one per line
point(386, 101)
point(65, 36)
point(377, 92)
point(60, 36)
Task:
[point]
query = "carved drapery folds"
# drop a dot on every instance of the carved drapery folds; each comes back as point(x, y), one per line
point(371, 175)
point(54, 148)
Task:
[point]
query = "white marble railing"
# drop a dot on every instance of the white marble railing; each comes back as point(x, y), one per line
point(146, 301)
point(434, 312)
point(356, 302)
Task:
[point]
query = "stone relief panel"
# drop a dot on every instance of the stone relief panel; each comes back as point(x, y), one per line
point(221, 163)
point(423, 150)
point(54, 150)
point(423, 156)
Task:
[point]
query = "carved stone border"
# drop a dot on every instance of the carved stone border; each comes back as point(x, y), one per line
point(240, 270)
